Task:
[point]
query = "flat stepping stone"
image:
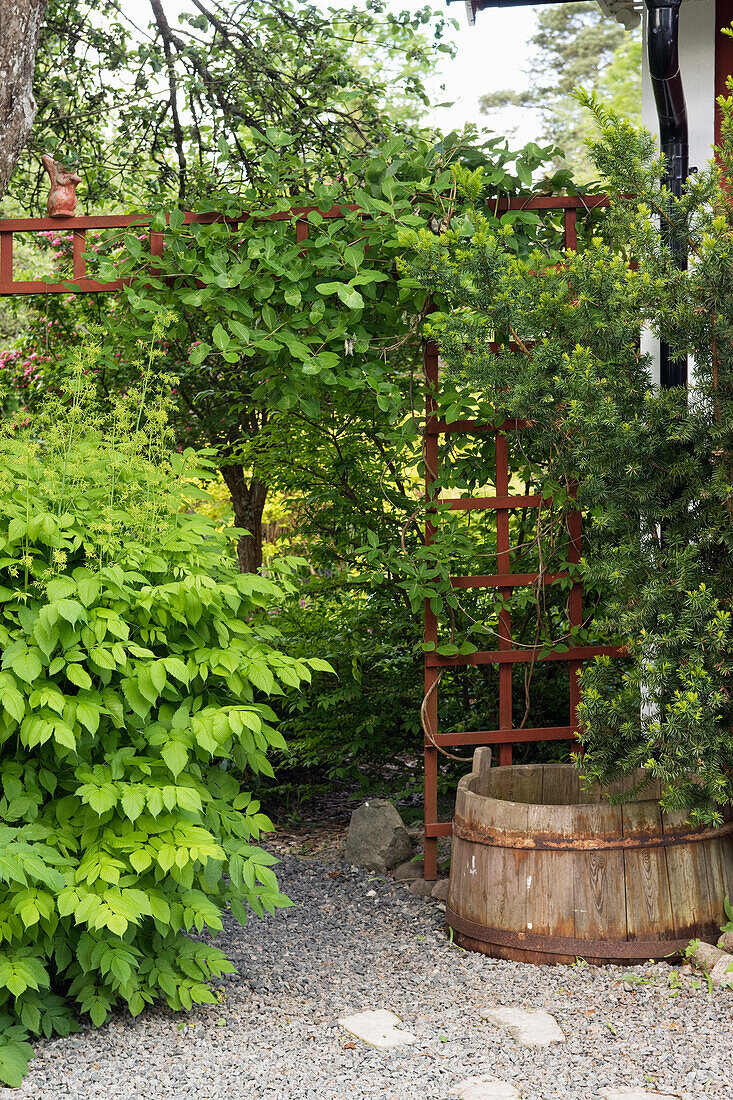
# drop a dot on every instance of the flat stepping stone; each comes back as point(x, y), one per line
point(634, 1094)
point(378, 1028)
point(529, 1027)
point(485, 1087)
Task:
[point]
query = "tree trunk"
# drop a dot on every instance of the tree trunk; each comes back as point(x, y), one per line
point(248, 501)
point(20, 26)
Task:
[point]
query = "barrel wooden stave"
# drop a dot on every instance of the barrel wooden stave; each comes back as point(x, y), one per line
point(599, 876)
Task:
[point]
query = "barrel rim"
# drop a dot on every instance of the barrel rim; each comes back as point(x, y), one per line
point(549, 842)
point(555, 825)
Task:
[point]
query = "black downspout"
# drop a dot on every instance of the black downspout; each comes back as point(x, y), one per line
point(664, 69)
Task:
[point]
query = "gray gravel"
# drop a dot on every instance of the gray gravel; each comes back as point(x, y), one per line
point(339, 951)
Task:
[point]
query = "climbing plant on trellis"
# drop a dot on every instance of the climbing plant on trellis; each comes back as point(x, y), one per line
point(440, 425)
point(505, 581)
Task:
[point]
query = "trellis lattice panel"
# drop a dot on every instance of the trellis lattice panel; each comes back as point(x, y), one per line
point(78, 281)
point(80, 227)
point(507, 653)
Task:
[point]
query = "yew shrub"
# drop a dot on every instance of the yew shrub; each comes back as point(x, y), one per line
point(558, 347)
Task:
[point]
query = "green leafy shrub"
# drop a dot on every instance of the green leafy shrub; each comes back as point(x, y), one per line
point(135, 671)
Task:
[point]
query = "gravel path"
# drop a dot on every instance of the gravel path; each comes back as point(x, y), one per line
point(340, 951)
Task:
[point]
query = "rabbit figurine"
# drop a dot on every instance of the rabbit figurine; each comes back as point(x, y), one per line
point(62, 196)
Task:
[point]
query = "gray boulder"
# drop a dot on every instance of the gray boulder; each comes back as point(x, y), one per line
point(422, 888)
point(377, 839)
point(725, 943)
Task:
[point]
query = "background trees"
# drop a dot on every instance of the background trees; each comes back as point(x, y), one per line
point(145, 111)
point(577, 45)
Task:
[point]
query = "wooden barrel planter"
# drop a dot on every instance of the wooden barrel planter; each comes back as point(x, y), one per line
point(543, 872)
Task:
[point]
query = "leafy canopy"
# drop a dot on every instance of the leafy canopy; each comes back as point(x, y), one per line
point(146, 110)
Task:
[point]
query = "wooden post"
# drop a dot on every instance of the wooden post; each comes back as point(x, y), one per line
point(504, 567)
point(432, 673)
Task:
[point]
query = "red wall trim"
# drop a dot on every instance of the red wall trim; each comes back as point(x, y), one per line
point(723, 55)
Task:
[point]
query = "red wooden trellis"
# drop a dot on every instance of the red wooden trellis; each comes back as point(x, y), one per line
point(502, 504)
point(78, 282)
point(506, 656)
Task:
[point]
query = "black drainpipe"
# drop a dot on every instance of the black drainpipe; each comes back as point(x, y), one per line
point(664, 68)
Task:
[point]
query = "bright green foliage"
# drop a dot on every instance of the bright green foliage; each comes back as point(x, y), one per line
point(653, 469)
point(135, 673)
